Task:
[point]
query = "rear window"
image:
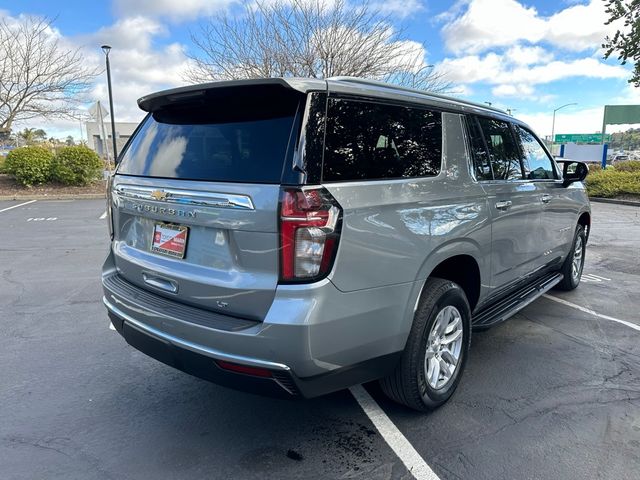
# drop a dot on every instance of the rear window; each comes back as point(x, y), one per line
point(230, 138)
point(368, 141)
point(504, 153)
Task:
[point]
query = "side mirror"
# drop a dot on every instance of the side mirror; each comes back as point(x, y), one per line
point(573, 171)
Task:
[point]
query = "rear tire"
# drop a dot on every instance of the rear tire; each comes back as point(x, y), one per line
point(574, 263)
point(440, 334)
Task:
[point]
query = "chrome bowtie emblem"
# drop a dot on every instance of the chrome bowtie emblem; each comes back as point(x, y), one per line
point(159, 195)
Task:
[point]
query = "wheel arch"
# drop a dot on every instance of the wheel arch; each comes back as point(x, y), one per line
point(450, 261)
point(584, 219)
point(463, 270)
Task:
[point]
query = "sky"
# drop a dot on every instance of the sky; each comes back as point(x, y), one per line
point(527, 56)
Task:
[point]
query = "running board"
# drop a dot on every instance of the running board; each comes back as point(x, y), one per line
point(514, 302)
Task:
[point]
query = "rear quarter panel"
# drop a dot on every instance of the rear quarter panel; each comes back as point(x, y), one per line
point(398, 231)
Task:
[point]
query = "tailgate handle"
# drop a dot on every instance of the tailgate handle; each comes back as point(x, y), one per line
point(159, 282)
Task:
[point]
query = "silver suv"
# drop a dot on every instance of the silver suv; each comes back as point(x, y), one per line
point(295, 237)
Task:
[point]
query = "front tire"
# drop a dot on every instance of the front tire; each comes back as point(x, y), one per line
point(574, 263)
point(436, 352)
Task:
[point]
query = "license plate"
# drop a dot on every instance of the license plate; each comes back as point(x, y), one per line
point(170, 239)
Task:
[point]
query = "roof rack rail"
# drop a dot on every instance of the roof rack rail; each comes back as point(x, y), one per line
point(377, 83)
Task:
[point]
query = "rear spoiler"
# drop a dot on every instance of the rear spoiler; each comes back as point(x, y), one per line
point(158, 100)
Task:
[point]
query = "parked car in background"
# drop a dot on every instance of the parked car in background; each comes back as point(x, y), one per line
point(299, 236)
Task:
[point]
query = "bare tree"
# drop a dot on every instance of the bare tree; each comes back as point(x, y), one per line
point(39, 78)
point(309, 38)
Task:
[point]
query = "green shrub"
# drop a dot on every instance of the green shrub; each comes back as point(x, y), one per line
point(613, 182)
point(29, 165)
point(628, 166)
point(78, 165)
point(2, 165)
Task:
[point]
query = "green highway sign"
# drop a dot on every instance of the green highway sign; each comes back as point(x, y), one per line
point(581, 138)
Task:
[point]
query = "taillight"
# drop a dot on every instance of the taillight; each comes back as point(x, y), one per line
point(309, 233)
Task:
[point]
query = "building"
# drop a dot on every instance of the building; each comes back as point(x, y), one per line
point(96, 142)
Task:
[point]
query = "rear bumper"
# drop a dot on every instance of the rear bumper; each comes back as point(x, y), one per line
point(282, 382)
point(314, 339)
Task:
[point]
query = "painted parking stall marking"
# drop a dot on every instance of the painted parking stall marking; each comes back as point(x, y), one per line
point(42, 219)
point(593, 278)
point(392, 435)
point(592, 312)
point(18, 205)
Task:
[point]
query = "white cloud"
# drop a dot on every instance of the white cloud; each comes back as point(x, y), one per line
point(462, 90)
point(495, 69)
point(138, 66)
point(520, 55)
point(507, 90)
point(490, 23)
point(485, 24)
point(399, 8)
point(580, 27)
point(174, 10)
point(567, 121)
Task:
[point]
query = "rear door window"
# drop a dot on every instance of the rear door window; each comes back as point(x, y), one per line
point(215, 142)
point(537, 164)
point(369, 141)
point(504, 153)
point(479, 153)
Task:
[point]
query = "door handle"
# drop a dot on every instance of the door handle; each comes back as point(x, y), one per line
point(546, 198)
point(503, 205)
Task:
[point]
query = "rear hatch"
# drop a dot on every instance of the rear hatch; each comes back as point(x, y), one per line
point(195, 196)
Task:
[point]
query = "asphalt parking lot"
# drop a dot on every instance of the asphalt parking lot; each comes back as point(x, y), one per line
point(552, 393)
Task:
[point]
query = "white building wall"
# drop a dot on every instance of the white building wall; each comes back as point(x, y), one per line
point(95, 142)
point(583, 153)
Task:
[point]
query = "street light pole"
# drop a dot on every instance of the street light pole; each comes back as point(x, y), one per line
point(553, 124)
point(106, 49)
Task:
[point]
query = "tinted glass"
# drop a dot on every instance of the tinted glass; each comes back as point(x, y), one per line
point(479, 154)
point(207, 143)
point(503, 150)
point(312, 140)
point(366, 141)
point(537, 164)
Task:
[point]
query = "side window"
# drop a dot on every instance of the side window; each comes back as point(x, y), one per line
point(479, 154)
point(367, 141)
point(503, 149)
point(537, 164)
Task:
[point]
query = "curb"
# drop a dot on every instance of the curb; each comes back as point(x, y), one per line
point(56, 196)
point(613, 200)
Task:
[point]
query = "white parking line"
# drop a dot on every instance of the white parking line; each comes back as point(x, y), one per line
point(103, 216)
point(16, 206)
point(111, 327)
point(394, 438)
point(601, 278)
point(592, 312)
point(591, 278)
